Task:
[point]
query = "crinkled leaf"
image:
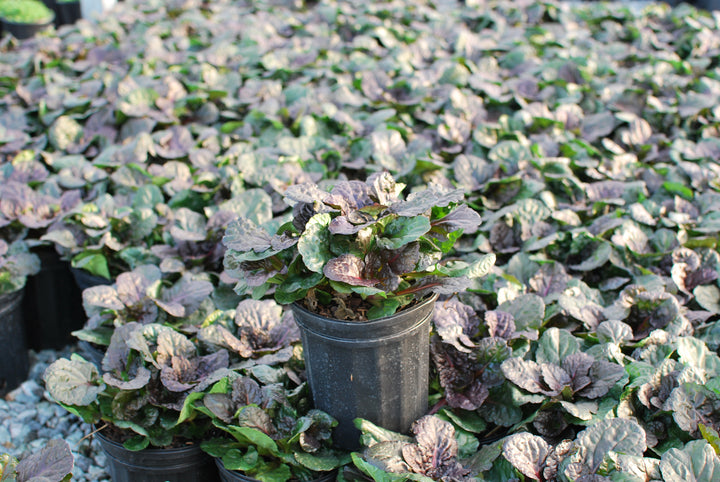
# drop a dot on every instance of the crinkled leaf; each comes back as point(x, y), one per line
point(616, 435)
point(403, 230)
point(456, 323)
point(435, 452)
point(244, 235)
point(74, 381)
point(555, 345)
point(419, 202)
point(314, 243)
point(527, 453)
point(695, 462)
point(708, 296)
point(52, 463)
point(349, 269)
point(528, 311)
point(184, 297)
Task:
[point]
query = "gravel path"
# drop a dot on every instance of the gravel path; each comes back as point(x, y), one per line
point(28, 419)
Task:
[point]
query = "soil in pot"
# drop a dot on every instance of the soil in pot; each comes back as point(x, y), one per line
point(52, 305)
point(14, 364)
point(183, 464)
point(235, 476)
point(376, 370)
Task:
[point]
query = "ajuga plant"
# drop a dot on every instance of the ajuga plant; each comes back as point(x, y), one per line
point(149, 371)
point(358, 251)
point(266, 428)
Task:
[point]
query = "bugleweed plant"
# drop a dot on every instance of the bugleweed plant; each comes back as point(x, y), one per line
point(357, 241)
point(148, 372)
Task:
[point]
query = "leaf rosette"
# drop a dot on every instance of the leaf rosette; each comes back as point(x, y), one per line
point(358, 240)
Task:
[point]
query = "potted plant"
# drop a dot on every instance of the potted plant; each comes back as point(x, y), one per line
point(144, 295)
point(51, 302)
point(431, 454)
point(269, 432)
point(362, 267)
point(149, 371)
point(52, 463)
point(24, 18)
point(110, 234)
point(16, 264)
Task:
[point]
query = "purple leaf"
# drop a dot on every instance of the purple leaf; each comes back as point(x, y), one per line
point(243, 235)
point(52, 463)
point(462, 217)
point(500, 324)
point(421, 201)
point(349, 196)
point(456, 322)
point(527, 453)
point(436, 450)
point(349, 269)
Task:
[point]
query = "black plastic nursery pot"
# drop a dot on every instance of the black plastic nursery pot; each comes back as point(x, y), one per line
point(24, 30)
point(183, 464)
point(235, 476)
point(85, 279)
point(14, 363)
point(376, 370)
point(52, 305)
point(68, 12)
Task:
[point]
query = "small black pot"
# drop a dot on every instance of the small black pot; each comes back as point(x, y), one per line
point(23, 31)
point(183, 464)
point(52, 305)
point(68, 12)
point(376, 370)
point(14, 363)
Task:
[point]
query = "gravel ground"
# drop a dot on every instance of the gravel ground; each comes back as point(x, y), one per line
point(29, 418)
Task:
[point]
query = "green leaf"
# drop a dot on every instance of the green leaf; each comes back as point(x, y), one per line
point(385, 308)
point(372, 434)
point(696, 462)
point(679, 189)
point(253, 204)
point(314, 243)
point(263, 443)
point(295, 287)
point(528, 311)
point(708, 296)
point(617, 435)
point(137, 443)
point(235, 459)
point(403, 230)
point(375, 473)
point(598, 258)
point(74, 381)
point(555, 345)
point(318, 463)
point(64, 132)
point(94, 263)
point(272, 473)
point(711, 436)
point(467, 420)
